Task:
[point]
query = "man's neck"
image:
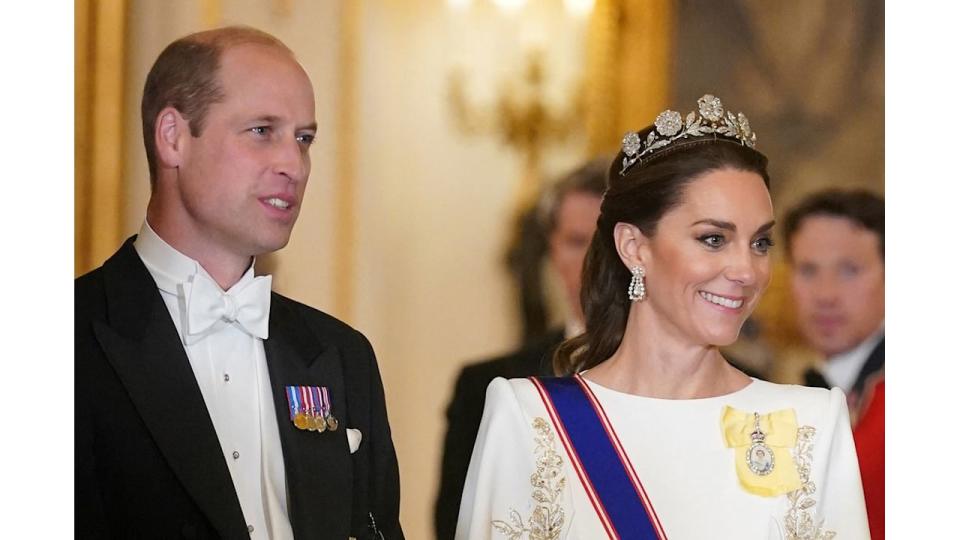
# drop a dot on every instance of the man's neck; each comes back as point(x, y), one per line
point(224, 267)
point(842, 369)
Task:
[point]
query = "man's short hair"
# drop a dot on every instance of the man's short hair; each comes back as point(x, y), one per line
point(859, 206)
point(185, 77)
point(590, 177)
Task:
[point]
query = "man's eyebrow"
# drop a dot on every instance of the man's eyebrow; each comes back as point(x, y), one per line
point(273, 119)
point(266, 119)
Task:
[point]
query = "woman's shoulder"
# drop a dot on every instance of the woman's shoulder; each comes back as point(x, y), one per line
point(809, 402)
point(518, 393)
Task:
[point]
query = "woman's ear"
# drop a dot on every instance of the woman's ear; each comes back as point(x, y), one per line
point(631, 244)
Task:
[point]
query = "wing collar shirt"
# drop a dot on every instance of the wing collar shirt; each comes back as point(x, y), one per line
point(842, 369)
point(231, 369)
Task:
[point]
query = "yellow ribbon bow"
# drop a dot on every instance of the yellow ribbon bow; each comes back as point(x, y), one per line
point(779, 429)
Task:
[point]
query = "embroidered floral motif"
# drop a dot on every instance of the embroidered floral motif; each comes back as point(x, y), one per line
point(800, 520)
point(548, 481)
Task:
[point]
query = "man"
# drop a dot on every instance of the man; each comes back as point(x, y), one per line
point(568, 216)
point(206, 405)
point(835, 244)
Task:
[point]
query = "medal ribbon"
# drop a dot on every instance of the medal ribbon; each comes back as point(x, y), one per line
point(599, 459)
point(293, 400)
point(304, 399)
point(325, 401)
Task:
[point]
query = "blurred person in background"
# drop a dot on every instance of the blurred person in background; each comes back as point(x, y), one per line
point(835, 246)
point(567, 215)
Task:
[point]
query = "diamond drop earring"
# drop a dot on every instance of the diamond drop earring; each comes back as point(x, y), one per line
point(637, 290)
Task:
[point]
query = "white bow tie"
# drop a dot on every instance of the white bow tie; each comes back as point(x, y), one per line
point(207, 305)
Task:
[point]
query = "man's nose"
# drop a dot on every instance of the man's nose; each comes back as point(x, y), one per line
point(292, 159)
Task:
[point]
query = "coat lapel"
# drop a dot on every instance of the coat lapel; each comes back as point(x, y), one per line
point(142, 344)
point(318, 465)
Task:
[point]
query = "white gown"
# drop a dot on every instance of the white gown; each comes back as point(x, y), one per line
point(677, 448)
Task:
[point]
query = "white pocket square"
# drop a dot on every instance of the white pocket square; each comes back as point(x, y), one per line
point(353, 439)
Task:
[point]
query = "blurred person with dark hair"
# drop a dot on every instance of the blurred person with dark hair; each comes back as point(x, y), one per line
point(206, 405)
point(567, 216)
point(649, 432)
point(835, 244)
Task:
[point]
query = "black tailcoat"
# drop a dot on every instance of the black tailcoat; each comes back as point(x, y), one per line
point(148, 460)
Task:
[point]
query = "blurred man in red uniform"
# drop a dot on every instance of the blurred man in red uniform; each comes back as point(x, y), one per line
point(836, 249)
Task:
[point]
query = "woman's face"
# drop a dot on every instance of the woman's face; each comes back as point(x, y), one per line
point(708, 262)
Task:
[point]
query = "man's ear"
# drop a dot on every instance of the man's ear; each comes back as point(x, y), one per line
point(169, 133)
point(632, 245)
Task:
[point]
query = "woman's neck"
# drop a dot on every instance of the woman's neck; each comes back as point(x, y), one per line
point(666, 366)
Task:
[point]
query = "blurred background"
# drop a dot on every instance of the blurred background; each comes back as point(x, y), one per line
point(441, 121)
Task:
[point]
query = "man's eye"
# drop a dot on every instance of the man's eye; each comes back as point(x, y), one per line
point(806, 270)
point(306, 138)
point(713, 240)
point(849, 270)
point(260, 130)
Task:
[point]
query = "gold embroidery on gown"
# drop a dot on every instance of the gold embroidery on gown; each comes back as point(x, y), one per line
point(548, 482)
point(800, 519)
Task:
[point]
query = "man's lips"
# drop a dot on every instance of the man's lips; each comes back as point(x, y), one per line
point(828, 321)
point(280, 203)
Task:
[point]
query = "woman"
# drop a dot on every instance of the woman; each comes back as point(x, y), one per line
point(655, 435)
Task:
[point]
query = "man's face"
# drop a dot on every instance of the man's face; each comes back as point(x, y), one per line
point(576, 222)
point(837, 279)
point(241, 182)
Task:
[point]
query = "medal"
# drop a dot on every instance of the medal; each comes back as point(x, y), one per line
point(321, 423)
point(301, 421)
point(297, 410)
point(759, 455)
point(310, 408)
point(315, 422)
point(318, 424)
point(326, 405)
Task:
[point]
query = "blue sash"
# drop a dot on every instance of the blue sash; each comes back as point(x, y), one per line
point(599, 459)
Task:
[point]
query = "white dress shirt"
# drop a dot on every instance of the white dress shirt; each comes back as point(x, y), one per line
point(231, 369)
point(841, 370)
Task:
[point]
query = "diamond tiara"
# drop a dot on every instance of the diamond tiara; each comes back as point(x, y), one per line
point(669, 127)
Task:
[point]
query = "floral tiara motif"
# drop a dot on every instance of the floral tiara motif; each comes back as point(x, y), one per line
point(670, 127)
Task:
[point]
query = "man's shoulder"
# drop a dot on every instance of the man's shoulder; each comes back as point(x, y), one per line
point(89, 295)
point(318, 320)
point(89, 284)
point(123, 265)
point(525, 361)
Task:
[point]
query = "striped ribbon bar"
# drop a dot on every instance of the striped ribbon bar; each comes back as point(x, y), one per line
point(294, 400)
point(599, 459)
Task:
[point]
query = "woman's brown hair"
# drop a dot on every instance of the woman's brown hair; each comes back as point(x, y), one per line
point(641, 196)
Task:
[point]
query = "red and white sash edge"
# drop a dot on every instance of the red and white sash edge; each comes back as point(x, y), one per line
point(575, 461)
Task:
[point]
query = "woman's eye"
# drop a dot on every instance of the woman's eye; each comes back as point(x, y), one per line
point(713, 240)
point(763, 245)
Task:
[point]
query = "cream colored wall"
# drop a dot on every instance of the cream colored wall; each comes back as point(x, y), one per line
point(432, 206)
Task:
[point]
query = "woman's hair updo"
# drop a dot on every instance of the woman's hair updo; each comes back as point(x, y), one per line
point(641, 195)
